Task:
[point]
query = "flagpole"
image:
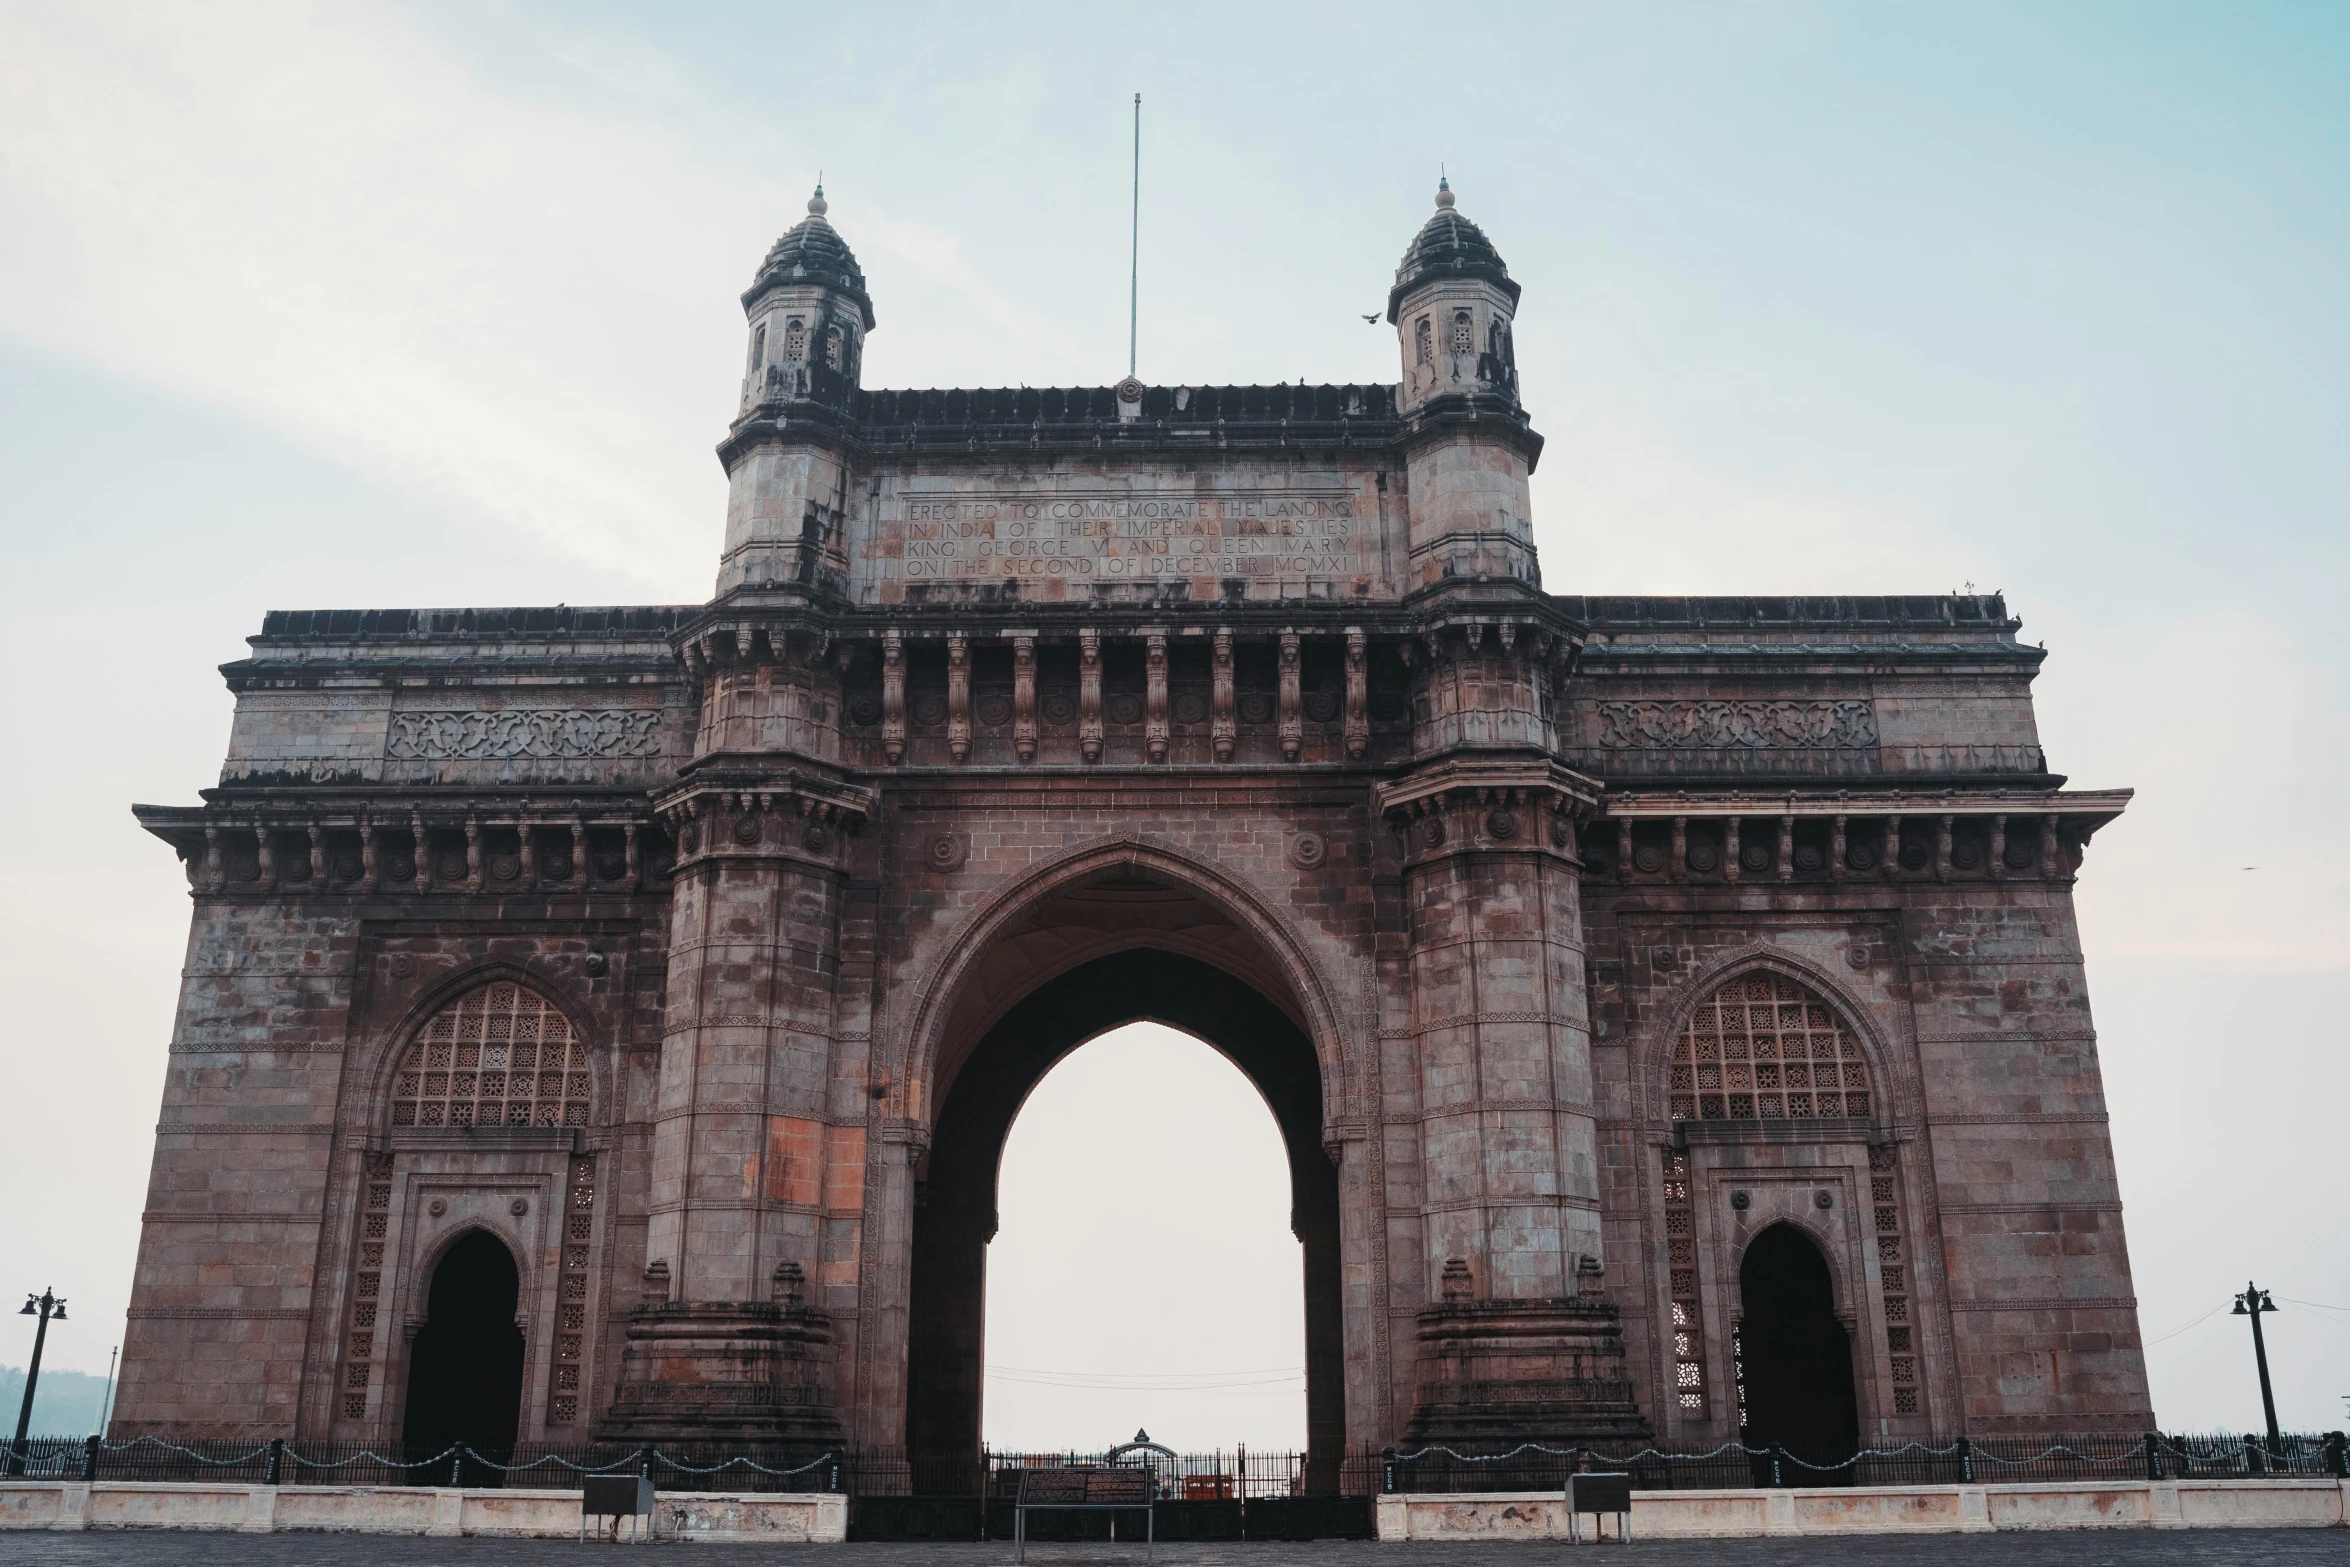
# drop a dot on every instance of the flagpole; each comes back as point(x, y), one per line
point(1134, 269)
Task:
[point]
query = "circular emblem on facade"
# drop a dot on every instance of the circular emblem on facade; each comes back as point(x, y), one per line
point(1307, 850)
point(557, 867)
point(1964, 854)
point(1913, 855)
point(1861, 855)
point(293, 867)
point(398, 867)
point(995, 709)
point(1757, 857)
point(1562, 833)
point(1741, 1201)
point(746, 829)
point(816, 839)
point(1129, 390)
point(1810, 858)
point(347, 867)
point(437, 1207)
point(1823, 1199)
point(611, 867)
point(1501, 825)
point(662, 862)
point(1432, 832)
point(1060, 708)
point(1857, 955)
point(1703, 856)
point(403, 966)
point(452, 867)
point(1648, 858)
point(1386, 706)
point(690, 839)
point(930, 708)
point(505, 867)
point(1125, 708)
point(1664, 957)
point(1256, 708)
point(948, 851)
point(241, 866)
point(518, 1207)
point(1320, 706)
point(2021, 853)
point(595, 964)
point(1191, 708)
point(865, 711)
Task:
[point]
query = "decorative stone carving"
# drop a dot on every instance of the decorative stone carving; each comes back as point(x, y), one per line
point(1736, 726)
point(947, 851)
point(1307, 850)
point(545, 733)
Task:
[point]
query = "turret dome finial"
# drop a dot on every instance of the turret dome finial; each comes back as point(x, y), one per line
point(816, 203)
point(1443, 193)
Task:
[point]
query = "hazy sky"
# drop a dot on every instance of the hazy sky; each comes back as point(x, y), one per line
point(353, 305)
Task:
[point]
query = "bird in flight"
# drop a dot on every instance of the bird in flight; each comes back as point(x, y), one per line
point(1373, 318)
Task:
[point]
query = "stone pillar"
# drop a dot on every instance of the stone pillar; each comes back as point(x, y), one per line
point(1154, 700)
point(1024, 696)
point(1292, 725)
point(958, 695)
point(746, 1152)
point(1222, 728)
point(1358, 698)
point(1089, 694)
point(1516, 1349)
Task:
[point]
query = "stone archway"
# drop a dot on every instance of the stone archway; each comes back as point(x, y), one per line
point(1795, 1356)
point(1117, 948)
point(465, 1368)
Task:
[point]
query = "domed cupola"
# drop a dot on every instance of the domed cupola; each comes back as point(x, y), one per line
point(809, 314)
point(1448, 246)
point(1452, 305)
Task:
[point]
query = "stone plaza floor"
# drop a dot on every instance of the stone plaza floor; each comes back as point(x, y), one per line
point(2082, 1548)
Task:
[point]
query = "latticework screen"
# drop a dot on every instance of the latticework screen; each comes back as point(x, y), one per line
point(497, 1056)
point(1762, 1047)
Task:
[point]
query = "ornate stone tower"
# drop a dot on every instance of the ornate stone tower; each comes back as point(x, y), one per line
point(808, 318)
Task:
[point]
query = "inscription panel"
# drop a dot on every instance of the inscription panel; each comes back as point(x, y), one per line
point(1064, 536)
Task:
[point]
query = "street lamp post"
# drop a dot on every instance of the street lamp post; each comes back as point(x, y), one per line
point(2254, 1303)
point(44, 1306)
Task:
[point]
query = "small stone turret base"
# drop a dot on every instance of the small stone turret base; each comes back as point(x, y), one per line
point(727, 1371)
point(1494, 1373)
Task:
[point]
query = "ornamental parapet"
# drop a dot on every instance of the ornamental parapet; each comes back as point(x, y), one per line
point(1882, 834)
point(344, 848)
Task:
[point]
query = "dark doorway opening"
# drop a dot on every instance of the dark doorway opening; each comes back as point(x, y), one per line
point(465, 1371)
point(955, 1208)
point(1795, 1360)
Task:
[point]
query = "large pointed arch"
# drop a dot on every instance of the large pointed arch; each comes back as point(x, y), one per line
point(1301, 989)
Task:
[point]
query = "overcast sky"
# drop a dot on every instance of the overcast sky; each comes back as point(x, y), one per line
point(356, 305)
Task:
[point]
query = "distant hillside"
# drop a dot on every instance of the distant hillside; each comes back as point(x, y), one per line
point(65, 1404)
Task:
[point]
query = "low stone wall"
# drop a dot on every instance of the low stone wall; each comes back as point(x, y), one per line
point(263, 1509)
point(1889, 1509)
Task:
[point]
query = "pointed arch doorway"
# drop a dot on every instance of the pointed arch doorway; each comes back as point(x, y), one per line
point(1148, 978)
point(1795, 1357)
point(465, 1368)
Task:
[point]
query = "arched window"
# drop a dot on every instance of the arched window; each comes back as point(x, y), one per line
point(1762, 1047)
point(758, 346)
point(496, 1056)
point(1420, 341)
point(1464, 333)
point(795, 339)
point(832, 346)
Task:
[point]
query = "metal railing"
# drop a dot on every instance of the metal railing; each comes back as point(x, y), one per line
point(1240, 1475)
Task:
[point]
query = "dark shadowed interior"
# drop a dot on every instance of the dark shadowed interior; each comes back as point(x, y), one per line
point(1795, 1357)
point(465, 1372)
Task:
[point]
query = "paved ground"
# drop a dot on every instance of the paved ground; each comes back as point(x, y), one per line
point(2087, 1548)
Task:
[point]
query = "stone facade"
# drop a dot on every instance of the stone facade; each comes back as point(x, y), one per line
point(1020, 713)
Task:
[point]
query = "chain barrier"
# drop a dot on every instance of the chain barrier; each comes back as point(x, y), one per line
point(155, 1441)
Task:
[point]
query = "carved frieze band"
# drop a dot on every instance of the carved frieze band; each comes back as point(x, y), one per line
point(1736, 726)
point(536, 732)
point(2052, 1303)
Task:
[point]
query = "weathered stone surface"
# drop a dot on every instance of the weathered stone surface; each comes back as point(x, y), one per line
point(1241, 705)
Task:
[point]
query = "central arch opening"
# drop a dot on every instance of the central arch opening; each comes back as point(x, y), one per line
point(983, 1086)
point(465, 1371)
point(1143, 1274)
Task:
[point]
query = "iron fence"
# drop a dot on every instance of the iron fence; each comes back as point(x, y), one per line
point(1959, 1461)
point(1237, 1478)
